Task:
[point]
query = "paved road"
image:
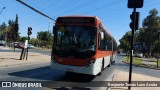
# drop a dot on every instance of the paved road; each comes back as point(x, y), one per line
point(42, 71)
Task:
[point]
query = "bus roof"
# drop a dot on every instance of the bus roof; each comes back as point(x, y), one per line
point(78, 16)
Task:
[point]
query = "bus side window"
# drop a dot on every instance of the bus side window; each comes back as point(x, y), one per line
point(109, 43)
point(101, 42)
point(106, 47)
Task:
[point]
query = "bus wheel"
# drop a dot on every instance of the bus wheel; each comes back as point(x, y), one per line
point(113, 62)
point(68, 73)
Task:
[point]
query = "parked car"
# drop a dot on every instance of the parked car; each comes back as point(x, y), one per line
point(30, 46)
point(139, 55)
point(2, 43)
point(17, 45)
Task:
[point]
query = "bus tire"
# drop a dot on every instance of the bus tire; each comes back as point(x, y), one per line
point(68, 73)
point(113, 62)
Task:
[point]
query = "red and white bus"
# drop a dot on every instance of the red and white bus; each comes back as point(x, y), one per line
point(82, 45)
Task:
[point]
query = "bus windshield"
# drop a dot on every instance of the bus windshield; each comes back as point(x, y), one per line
point(77, 38)
point(75, 41)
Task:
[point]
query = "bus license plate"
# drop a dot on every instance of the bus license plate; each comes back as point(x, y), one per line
point(70, 70)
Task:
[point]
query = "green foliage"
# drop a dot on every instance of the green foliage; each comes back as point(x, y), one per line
point(45, 38)
point(34, 41)
point(3, 31)
point(124, 43)
point(22, 39)
point(10, 32)
point(151, 26)
point(146, 36)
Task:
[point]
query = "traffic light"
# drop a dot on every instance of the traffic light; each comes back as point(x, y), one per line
point(135, 3)
point(134, 21)
point(29, 30)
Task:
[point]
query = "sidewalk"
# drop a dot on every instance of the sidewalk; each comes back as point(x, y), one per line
point(10, 59)
point(123, 76)
point(4, 48)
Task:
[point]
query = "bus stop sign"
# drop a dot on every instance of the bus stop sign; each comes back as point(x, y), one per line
point(135, 3)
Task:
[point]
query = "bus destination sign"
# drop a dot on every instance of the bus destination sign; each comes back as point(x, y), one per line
point(76, 20)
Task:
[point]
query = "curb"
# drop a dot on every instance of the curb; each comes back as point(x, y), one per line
point(141, 66)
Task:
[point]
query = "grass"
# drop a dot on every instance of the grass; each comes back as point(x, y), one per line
point(158, 62)
point(155, 61)
point(139, 62)
point(136, 61)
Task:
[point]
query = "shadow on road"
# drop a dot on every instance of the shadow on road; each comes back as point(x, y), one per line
point(46, 73)
point(77, 77)
point(42, 73)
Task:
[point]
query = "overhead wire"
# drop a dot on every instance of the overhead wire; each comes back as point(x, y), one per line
point(35, 6)
point(32, 19)
point(106, 5)
point(66, 7)
point(92, 10)
point(28, 22)
point(53, 3)
point(79, 6)
point(84, 4)
point(60, 7)
point(57, 8)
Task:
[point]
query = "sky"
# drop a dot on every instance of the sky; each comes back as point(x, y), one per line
point(114, 14)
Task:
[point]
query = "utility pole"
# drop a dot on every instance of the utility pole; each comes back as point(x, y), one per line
point(2, 9)
point(134, 25)
point(49, 25)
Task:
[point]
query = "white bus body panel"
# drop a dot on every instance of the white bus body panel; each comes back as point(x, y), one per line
point(93, 69)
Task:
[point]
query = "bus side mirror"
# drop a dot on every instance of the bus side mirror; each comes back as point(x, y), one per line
point(54, 28)
point(101, 35)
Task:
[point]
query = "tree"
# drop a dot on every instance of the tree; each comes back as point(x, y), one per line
point(34, 41)
point(151, 26)
point(45, 38)
point(16, 28)
point(124, 42)
point(3, 31)
point(12, 30)
point(22, 39)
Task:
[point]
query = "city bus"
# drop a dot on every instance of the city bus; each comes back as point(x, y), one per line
point(82, 44)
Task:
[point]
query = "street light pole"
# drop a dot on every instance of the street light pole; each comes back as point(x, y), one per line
point(49, 25)
point(2, 9)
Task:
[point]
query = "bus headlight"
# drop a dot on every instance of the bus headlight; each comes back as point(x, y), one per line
point(54, 59)
point(89, 63)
